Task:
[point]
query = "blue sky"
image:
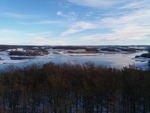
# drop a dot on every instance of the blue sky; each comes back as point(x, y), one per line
point(75, 22)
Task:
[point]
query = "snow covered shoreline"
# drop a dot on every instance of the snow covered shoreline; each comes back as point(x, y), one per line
point(143, 63)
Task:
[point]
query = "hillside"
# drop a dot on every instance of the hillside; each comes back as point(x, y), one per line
point(74, 88)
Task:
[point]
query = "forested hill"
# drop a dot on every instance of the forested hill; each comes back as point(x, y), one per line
point(66, 88)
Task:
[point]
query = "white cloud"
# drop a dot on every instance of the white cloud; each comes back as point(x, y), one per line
point(43, 22)
point(136, 17)
point(132, 21)
point(47, 41)
point(69, 15)
point(89, 14)
point(7, 31)
point(16, 15)
point(40, 38)
point(133, 26)
point(48, 22)
point(78, 27)
point(9, 36)
point(44, 34)
point(130, 32)
point(72, 16)
point(43, 38)
point(115, 4)
point(136, 4)
point(59, 13)
point(96, 3)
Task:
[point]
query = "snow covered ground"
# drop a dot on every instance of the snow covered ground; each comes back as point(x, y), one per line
point(143, 63)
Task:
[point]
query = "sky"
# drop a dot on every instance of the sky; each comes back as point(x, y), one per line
point(75, 22)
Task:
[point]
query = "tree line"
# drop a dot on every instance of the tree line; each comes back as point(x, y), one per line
point(66, 88)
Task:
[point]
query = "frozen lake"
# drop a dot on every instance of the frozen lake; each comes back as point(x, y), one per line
point(118, 60)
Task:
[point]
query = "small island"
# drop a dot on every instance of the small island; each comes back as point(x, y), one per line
point(145, 55)
point(29, 53)
point(83, 51)
point(21, 54)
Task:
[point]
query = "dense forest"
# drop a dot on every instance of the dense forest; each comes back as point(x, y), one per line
point(66, 88)
point(29, 53)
